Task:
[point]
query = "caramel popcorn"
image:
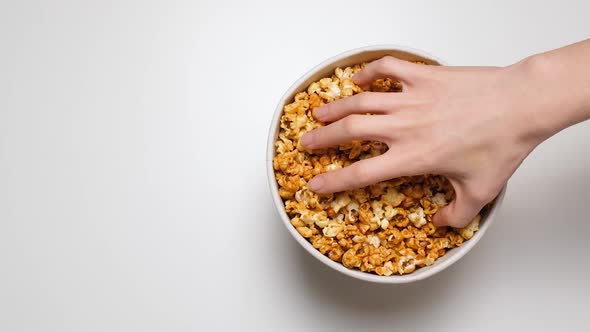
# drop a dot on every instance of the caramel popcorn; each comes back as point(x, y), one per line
point(385, 228)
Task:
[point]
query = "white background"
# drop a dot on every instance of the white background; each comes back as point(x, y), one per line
point(133, 194)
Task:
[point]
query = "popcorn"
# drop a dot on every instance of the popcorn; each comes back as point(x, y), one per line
point(468, 231)
point(373, 240)
point(341, 201)
point(336, 253)
point(314, 88)
point(330, 89)
point(393, 197)
point(350, 259)
point(439, 199)
point(358, 239)
point(386, 270)
point(385, 228)
point(305, 231)
point(417, 217)
point(352, 207)
point(332, 229)
point(406, 264)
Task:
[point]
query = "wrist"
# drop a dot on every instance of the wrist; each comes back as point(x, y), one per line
point(552, 95)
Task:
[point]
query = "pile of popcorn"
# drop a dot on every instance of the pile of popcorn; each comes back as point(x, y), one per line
point(385, 228)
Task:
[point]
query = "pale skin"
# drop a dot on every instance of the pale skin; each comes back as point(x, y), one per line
point(474, 125)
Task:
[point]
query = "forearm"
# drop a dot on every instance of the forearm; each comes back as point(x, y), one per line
point(556, 86)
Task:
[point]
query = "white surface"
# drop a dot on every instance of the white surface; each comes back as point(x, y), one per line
point(133, 195)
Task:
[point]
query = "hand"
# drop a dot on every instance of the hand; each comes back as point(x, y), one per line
point(473, 125)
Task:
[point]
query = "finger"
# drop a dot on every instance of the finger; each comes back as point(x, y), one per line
point(362, 103)
point(352, 127)
point(360, 174)
point(386, 67)
point(464, 207)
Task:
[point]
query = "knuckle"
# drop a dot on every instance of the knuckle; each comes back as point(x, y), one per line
point(424, 161)
point(351, 125)
point(386, 63)
point(363, 101)
point(359, 175)
point(481, 195)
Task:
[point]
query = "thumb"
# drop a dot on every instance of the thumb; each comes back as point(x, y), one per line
point(462, 209)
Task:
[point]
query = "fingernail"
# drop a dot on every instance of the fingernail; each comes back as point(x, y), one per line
point(320, 112)
point(316, 183)
point(306, 139)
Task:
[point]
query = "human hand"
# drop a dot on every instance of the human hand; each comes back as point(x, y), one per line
point(473, 125)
